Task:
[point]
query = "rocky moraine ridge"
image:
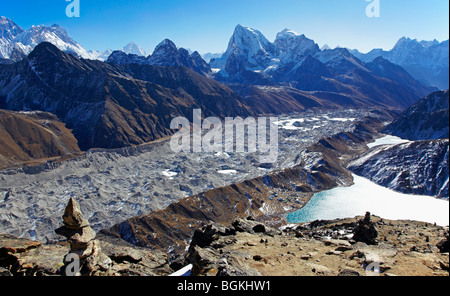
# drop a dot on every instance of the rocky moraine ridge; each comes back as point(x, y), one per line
point(360, 246)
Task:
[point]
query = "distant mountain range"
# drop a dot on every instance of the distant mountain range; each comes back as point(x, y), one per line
point(294, 63)
point(426, 61)
point(105, 105)
point(16, 43)
point(250, 56)
point(131, 98)
point(165, 54)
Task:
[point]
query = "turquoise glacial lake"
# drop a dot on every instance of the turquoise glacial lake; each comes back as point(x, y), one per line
point(365, 195)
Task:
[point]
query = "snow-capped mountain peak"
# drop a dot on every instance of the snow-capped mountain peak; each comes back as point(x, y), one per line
point(16, 43)
point(8, 31)
point(291, 46)
point(165, 54)
point(26, 41)
point(325, 47)
point(287, 32)
point(249, 41)
point(133, 48)
point(247, 49)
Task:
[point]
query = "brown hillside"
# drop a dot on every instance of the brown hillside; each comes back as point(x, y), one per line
point(33, 136)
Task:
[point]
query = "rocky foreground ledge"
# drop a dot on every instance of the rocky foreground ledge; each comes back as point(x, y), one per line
point(357, 246)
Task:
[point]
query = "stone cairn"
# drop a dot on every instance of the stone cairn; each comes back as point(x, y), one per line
point(365, 231)
point(83, 245)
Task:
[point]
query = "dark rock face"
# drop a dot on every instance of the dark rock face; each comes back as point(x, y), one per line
point(348, 272)
point(119, 57)
point(203, 254)
point(426, 120)
point(408, 167)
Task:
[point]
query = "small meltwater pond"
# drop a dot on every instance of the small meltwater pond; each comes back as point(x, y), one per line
point(363, 196)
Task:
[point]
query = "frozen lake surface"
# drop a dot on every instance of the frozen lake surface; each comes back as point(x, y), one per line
point(363, 196)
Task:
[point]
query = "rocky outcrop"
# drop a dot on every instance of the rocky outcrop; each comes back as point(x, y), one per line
point(444, 245)
point(114, 259)
point(246, 247)
point(319, 248)
point(205, 252)
point(22, 257)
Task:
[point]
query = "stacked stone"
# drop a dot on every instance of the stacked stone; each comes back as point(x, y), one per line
point(365, 231)
point(81, 238)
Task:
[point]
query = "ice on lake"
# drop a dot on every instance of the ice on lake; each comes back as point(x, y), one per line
point(363, 196)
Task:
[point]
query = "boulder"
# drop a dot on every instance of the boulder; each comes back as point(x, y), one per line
point(251, 226)
point(443, 245)
point(348, 272)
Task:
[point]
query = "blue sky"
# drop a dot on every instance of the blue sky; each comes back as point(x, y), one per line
point(207, 25)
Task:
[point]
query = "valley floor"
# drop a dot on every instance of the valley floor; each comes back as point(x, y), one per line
point(114, 185)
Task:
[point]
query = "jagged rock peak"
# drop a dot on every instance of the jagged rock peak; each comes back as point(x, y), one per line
point(165, 44)
point(46, 50)
point(248, 39)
